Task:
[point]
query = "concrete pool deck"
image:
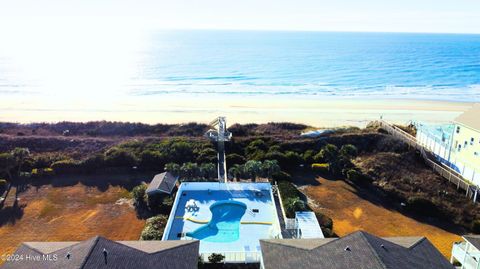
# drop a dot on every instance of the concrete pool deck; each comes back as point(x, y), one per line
point(259, 221)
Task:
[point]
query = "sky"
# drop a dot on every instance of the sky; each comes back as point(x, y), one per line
point(436, 16)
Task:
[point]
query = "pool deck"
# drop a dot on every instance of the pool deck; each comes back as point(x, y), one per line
point(250, 228)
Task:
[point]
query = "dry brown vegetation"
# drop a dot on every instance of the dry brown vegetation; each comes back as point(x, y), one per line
point(68, 213)
point(353, 208)
point(404, 175)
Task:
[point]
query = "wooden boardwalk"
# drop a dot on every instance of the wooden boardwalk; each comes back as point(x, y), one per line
point(446, 172)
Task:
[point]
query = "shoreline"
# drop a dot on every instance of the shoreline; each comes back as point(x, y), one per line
point(325, 112)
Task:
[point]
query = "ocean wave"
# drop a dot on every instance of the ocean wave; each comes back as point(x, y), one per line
point(440, 92)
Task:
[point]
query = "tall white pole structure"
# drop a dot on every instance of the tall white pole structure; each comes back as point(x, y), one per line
point(220, 134)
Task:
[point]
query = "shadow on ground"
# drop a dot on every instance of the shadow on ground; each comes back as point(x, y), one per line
point(101, 181)
point(10, 214)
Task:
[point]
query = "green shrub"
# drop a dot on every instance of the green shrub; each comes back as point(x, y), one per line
point(308, 156)
point(40, 172)
point(349, 151)
point(173, 168)
point(216, 258)
point(321, 167)
point(208, 171)
point(269, 168)
point(476, 226)
point(154, 228)
point(48, 171)
point(327, 232)
point(293, 205)
point(151, 160)
point(207, 155)
point(234, 158)
point(422, 205)
point(138, 194)
point(252, 169)
point(293, 159)
point(3, 183)
point(65, 167)
point(281, 176)
point(329, 153)
point(324, 220)
point(117, 157)
point(93, 163)
point(288, 190)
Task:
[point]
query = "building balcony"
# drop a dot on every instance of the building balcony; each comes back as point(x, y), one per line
point(469, 259)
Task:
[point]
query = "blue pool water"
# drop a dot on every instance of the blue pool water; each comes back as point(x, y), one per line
point(234, 215)
point(225, 223)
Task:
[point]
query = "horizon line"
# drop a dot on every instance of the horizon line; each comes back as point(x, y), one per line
point(314, 31)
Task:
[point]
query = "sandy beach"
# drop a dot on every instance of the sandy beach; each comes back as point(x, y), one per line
point(318, 112)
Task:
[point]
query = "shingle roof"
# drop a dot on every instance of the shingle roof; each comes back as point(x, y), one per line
point(470, 118)
point(122, 254)
point(164, 182)
point(473, 239)
point(356, 250)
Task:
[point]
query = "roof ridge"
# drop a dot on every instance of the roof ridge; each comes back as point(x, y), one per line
point(42, 252)
point(297, 247)
point(363, 235)
point(32, 248)
point(177, 246)
point(90, 252)
point(417, 242)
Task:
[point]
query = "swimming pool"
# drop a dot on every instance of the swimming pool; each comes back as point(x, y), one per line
point(227, 218)
point(225, 223)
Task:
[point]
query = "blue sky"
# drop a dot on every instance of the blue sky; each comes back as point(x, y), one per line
point(452, 16)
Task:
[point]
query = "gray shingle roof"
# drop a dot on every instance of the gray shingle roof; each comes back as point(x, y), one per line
point(356, 250)
point(89, 254)
point(470, 118)
point(473, 239)
point(164, 182)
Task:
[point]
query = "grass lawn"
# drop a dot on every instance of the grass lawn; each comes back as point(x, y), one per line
point(67, 213)
point(353, 209)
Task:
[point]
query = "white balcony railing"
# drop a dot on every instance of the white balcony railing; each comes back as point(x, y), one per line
point(236, 256)
point(468, 259)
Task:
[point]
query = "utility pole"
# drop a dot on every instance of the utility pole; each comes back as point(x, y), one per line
point(219, 133)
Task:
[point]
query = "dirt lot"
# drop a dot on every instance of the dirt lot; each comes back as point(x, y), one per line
point(353, 208)
point(67, 213)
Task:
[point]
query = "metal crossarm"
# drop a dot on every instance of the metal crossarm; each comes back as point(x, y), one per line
point(219, 133)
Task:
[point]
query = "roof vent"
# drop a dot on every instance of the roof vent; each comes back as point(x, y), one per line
point(105, 253)
point(347, 248)
point(68, 255)
point(382, 246)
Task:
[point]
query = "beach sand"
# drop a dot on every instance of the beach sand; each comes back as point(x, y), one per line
point(318, 112)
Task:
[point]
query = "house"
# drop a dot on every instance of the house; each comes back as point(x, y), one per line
point(456, 145)
point(356, 250)
point(466, 254)
point(163, 184)
point(465, 151)
point(99, 252)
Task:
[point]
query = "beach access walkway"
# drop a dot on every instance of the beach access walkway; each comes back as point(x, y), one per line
point(445, 171)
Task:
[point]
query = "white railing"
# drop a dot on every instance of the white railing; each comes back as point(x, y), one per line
point(235, 256)
point(290, 224)
point(446, 172)
point(469, 259)
point(458, 251)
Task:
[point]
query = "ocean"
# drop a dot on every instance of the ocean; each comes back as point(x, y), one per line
point(245, 63)
point(318, 78)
